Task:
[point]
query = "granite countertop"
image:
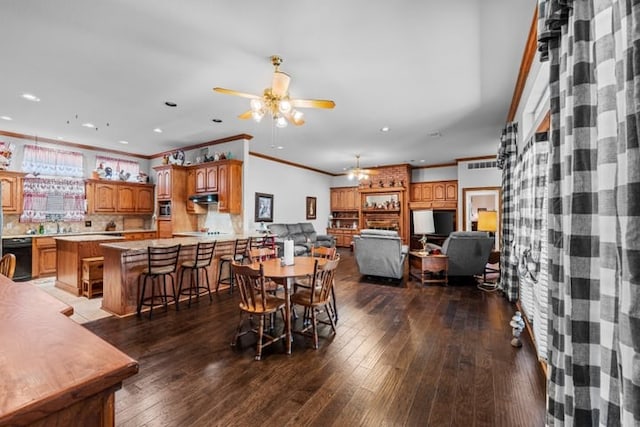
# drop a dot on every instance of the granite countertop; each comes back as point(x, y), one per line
point(84, 233)
point(134, 246)
point(88, 238)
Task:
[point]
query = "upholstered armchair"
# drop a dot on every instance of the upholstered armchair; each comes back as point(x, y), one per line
point(468, 252)
point(380, 253)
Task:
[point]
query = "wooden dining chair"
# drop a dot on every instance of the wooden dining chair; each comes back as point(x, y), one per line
point(326, 253)
point(316, 298)
point(8, 265)
point(260, 255)
point(256, 301)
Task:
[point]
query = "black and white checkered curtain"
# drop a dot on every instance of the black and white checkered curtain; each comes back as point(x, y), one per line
point(594, 211)
point(507, 157)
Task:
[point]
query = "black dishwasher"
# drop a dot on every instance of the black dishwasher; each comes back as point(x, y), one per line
point(21, 248)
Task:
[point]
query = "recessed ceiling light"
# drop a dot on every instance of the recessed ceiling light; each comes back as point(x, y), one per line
point(280, 147)
point(422, 161)
point(60, 137)
point(384, 129)
point(157, 130)
point(170, 104)
point(7, 118)
point(123, 141)
point(216, 120)
point(88, 125)
point(30, 97)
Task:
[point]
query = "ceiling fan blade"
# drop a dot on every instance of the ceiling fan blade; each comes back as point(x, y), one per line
point(292, 119)
point(235, 92)
point(312, 103)
point(245, 115)
point(280, 84)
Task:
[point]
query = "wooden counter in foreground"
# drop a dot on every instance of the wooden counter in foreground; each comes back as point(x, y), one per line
point(53, 370)
point(124, 261)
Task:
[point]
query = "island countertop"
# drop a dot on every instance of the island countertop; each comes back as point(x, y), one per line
point(134, 246)
point(88, 238)
point(53, 369)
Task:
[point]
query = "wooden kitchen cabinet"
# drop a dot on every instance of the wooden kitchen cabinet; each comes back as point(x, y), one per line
point(163, 183)
point(230, 186)
point(193, 208)
point(11, 191)
point(175, 218)
point(437, 194)
point(344, 199)
point(119, 197)
point(43, 257)
point(207, 179)
point(140, 235)
point(104, 198)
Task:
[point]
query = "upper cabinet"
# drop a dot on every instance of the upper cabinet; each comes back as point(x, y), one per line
point(206, 179)
point(11, 191)
point(119, 197)
point(344, 199)
point(230, 186)
point(436, 194)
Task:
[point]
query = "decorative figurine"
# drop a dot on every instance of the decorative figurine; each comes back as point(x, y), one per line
point(517, 323)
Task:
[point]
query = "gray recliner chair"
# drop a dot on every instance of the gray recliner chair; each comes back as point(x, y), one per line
point(380, 253)
point(468, 252)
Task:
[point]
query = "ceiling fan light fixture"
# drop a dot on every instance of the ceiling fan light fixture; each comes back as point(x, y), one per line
point(297, 115)
point(257, 115)
point(284, 106)
point(281, 122)
point(280, 84)
point(256, 105)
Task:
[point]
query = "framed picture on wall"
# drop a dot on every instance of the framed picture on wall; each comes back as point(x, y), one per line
point(264, 207)
point(311, 208)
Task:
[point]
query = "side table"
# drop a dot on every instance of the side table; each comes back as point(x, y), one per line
point(428, 268)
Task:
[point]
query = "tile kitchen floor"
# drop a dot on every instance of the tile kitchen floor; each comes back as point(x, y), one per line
point(84, 309)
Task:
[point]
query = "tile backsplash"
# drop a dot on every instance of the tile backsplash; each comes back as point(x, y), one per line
point(13, 227)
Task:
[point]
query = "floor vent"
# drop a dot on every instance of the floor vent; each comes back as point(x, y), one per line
point(482, 165)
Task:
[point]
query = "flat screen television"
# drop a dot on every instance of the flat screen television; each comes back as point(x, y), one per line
point(443, 222)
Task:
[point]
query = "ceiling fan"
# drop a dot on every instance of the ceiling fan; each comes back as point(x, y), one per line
point(275, 100)
point(360, 174)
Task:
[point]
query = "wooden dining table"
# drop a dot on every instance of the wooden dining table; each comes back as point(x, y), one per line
point(302, 266)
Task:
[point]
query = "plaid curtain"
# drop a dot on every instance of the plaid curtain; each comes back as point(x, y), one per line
point(507, 156)
point(594, 211)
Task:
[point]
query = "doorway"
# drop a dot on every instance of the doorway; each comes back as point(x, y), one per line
point(479, 199)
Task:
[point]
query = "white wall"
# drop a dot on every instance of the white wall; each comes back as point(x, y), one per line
point(445, 173)
point(475, 178)
point(290, 187)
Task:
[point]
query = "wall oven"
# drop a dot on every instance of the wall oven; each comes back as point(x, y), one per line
point(21, 248)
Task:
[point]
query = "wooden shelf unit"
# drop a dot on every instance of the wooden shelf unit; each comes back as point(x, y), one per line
point(385, 208)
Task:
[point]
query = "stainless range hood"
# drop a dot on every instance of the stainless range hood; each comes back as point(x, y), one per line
point(204, 199)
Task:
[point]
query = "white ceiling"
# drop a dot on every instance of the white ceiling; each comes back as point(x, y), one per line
point(418, 67)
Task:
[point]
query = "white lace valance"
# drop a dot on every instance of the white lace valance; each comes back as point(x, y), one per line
point(52, 162)
point(48, 199)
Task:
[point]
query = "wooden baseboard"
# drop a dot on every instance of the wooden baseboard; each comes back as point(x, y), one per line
point(529, 328)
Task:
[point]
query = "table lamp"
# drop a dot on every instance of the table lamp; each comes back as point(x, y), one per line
point(488, 221)
point(423, 224)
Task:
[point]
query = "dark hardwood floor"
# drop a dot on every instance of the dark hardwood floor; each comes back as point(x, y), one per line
point(402, 355)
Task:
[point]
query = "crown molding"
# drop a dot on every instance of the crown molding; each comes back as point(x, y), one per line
point(525, 65)
point(288, 163)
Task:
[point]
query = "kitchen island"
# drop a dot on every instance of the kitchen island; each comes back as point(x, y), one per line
point(53, 370)
point(70, 250)
point(124, 261)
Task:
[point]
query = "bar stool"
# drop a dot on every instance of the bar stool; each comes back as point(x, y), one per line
point(239, 254)
point(162, 262)
point(204, 255)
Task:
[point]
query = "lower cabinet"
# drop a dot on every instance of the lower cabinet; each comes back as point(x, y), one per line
point(344, 237)
point(43, 257)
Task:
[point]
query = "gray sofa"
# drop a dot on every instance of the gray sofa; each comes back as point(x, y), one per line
point(380, 253)
point(304, 237)
point(468, 252)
